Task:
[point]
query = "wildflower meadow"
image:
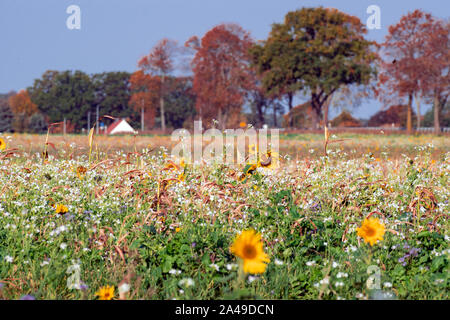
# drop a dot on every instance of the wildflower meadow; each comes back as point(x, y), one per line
point(340, 217)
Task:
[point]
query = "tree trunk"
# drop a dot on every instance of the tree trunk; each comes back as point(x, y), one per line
point(316, 108)
point(163, 120)
point(275, 115)
point(409, 115)
point(325, 110)
point(222, 119)
point(417, 98)
point(259, 107)
point(161, 104)
point(142, 119)
point(437, 128)
point(290, 100)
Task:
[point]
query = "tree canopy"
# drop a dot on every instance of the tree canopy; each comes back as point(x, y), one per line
point(221, 69)
point(6, 114)
point(315, 50)
point(416, 62)
point(67, 94)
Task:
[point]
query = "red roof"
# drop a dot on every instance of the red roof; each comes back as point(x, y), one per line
point(113, 126)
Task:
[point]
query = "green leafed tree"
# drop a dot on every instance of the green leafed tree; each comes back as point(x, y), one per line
point(6, 114)
point(37, 123)
point(112, 94)
point(179, 101)
point(315, 50)
point(67, 94)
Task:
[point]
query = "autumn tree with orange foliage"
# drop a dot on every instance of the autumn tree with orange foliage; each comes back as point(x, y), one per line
point(436, 66)
point(394, 116)
point(416, 61)
point(345, 119)
point(150, 80)
point(145, 96)
point(221, 68)
point(22, 108)
point(21, 103)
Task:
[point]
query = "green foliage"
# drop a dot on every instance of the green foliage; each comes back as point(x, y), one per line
point(37, 123)
point(128, 221)
point(66, 94)
point(6, 115)
point(179, 102)
point(316, 50)
point(112, 93)
point(72, 95)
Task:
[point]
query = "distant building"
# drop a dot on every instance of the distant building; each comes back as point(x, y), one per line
point(120, 126)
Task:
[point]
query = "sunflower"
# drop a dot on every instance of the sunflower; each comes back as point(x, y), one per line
point(269, 160)
point(371, 230)
point(2, 144)
point(181, 177)
point(61, 209)
point(81, 172)
point(244, 177)
point(248, 246)
point(173, 166)
point(105, 293)
point(250, 168)
point(253, 149)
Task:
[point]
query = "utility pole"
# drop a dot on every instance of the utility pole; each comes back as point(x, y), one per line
point(89, 121)
point(96, 121)
point(142, 119)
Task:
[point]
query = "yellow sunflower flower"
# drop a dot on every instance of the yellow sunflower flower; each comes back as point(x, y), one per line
point(243, 177)
point(253, 149)
point(269, 160)
point(371, 230)
point(171, 166)
point(251, 168)
point(249, 247)
point(105, 293)
point(81, 172)
point(2, 144)
point(61, 209)
point(174, 166)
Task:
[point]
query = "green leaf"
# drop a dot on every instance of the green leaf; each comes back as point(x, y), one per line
point(135, 244)
point(167, 265)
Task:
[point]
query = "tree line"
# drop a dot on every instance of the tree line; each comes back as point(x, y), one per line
point(318, 53)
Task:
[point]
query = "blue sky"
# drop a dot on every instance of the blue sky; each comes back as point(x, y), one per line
point(115, 34)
